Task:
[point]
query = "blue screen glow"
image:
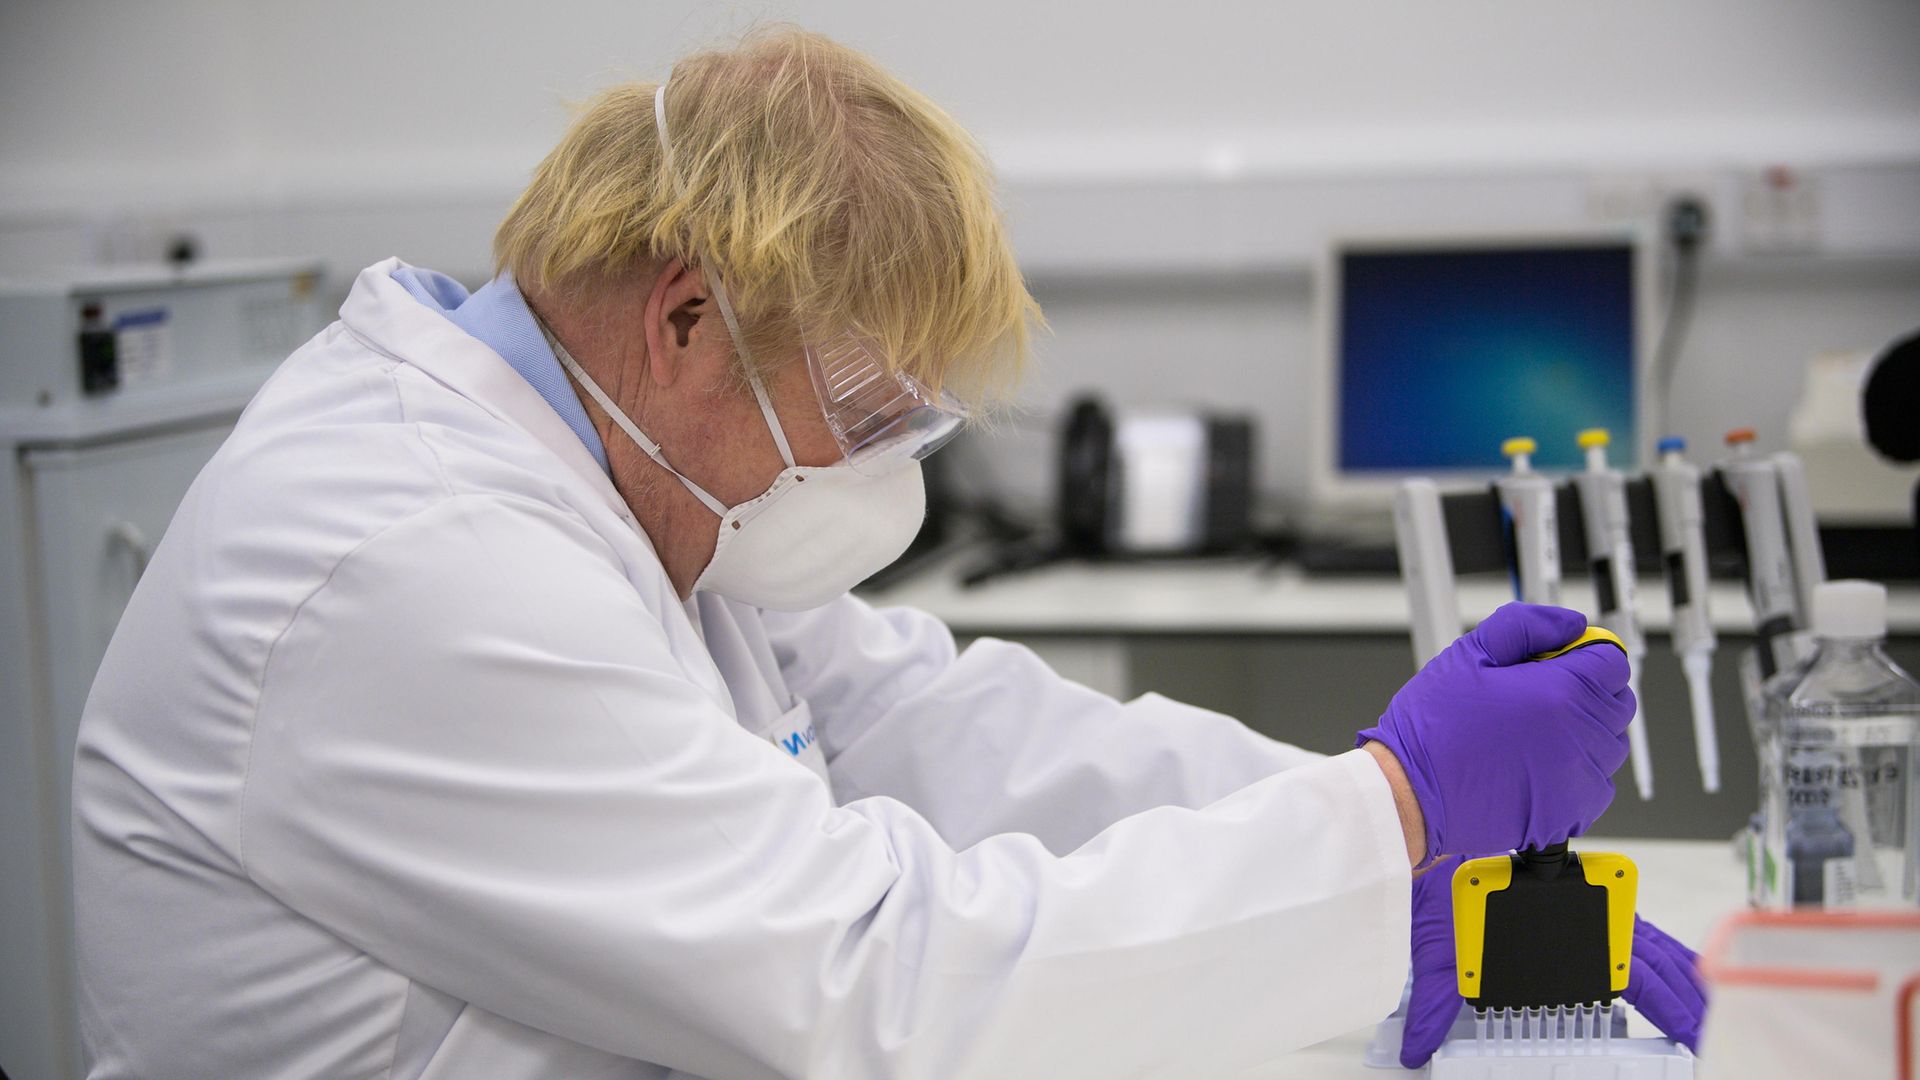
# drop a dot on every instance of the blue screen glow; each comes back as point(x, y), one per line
point(1445, 353)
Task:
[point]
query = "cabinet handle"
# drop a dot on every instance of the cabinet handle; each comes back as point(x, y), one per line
point(126, 534)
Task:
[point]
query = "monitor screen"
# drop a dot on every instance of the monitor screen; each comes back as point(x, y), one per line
point(1444, 352)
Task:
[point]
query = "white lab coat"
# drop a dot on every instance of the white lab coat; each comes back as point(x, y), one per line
point(407, 761)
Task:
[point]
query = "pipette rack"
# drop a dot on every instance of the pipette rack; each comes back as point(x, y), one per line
point(1442, 534)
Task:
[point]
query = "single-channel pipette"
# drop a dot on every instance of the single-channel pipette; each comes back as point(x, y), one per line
point(1803, 532)
point(1426, 565)
point(1526, 502)
point(1603, 511)
point(1755, 484)
point(1683, 544)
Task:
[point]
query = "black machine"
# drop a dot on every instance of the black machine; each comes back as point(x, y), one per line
point(1154, 483)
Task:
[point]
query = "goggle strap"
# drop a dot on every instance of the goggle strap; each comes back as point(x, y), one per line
point(660, 125)
point(619, 416)
point(719, 296)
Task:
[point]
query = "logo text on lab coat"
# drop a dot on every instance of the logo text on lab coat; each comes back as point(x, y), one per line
point(797, 741)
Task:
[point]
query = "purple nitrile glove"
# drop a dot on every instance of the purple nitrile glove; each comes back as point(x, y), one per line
point(1503, 752)
point(1436, 991)
point(1663, 982)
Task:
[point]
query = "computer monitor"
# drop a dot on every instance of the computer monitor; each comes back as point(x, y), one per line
point(1438, 348)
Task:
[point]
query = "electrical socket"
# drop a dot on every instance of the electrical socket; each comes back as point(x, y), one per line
point(1779, 211)
point(133, 238)
point(1641, 198)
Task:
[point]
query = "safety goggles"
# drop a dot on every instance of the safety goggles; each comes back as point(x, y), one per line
point(881, 419)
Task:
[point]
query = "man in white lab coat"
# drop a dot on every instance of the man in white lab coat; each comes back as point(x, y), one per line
point(494, 706)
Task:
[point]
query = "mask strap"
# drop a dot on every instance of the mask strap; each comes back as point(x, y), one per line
point(648, 446)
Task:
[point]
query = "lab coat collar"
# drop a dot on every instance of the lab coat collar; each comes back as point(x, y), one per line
point(380, 312)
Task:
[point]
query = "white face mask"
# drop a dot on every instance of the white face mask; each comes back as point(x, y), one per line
point(806, 540)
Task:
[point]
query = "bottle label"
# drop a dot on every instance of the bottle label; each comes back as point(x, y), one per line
point(1815, 781)
point(1837, 884)
point(1805, 732)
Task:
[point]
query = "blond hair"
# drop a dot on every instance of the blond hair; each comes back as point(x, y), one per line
point(831, 197)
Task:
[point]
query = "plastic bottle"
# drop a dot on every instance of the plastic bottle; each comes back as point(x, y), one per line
point(1839, 745)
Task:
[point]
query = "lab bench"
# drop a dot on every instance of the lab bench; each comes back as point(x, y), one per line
point(1310, 660)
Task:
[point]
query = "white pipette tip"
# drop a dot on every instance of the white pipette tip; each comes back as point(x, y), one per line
point(1698, 666)
point(1642, 762)
point(1637, 743)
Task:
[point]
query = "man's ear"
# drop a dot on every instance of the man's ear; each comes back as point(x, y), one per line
point(680, 322)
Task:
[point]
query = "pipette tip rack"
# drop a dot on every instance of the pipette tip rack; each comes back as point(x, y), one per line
point(1594, 1046)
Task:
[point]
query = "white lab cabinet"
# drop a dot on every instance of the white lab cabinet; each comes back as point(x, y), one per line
point(95, 464)
point(97, 512)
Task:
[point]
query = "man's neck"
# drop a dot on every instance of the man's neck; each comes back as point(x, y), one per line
point(681, 529)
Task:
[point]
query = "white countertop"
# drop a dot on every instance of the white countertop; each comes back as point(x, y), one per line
point(1248, 597)
point(1686, 887)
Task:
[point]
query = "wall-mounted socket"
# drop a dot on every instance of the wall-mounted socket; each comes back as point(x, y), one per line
point(1642, 198)
point(1779, 211)
point(125, 238)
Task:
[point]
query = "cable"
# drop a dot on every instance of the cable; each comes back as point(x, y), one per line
point(1686, 229)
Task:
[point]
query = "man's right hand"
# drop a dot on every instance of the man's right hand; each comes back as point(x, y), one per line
point(1503, 752)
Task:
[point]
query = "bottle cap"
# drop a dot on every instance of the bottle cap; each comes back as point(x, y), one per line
point(1850, 609)
point(1739, 435)
point(1592, 437)
point(1671, 442)
point(1519, 444)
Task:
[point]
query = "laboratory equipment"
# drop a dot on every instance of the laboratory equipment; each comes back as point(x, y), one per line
point(1599, 1053)
point(1543, 943)
point(1533, 525)
point(1755, 483)
point(1840, 738)
point(1543, 948)
point(1154, 481)
point(1675, 514)
point(1137, 483)
point(1435, 347)
point(1426, 564)
point(1853, 430)
point(116, 386)
point(1852, 484)
point(1683, 547)
point(1803, 534)
point(1603, 513)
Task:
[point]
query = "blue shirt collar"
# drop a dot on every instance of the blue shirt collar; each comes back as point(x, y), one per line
point(498, 316)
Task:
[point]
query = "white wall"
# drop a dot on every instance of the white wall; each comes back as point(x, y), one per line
point(1169, 168)
point(230, 97)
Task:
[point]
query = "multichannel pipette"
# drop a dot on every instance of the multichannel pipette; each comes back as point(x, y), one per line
point(1683, 543)
point(1543, 943)
point(1526, 502)
point(1603, 509)
point(1755, 483)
